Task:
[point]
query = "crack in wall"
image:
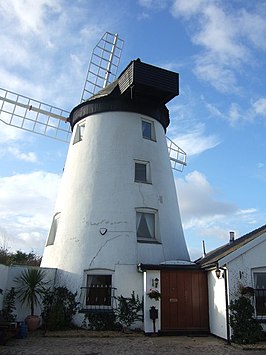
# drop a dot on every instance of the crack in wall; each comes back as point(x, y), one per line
point(106, 242)
point(142, 195)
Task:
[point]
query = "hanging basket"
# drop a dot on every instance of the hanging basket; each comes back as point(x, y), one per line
point(154, 294)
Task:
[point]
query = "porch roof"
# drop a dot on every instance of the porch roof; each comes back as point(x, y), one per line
point(169, 265)
point(212, 258)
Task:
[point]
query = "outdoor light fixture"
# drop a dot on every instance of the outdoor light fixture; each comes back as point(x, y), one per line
point(155, 282)
point(218, 272)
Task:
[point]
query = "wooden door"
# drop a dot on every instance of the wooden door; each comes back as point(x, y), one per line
point(184, 301)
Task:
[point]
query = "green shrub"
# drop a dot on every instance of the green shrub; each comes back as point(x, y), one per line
point(59, 307)
point(246, 329)
point(102, 321)
point(31, 287)
point(9, 306)
point(129, 310)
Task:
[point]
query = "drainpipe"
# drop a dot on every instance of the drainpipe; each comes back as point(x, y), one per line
point(226, 305)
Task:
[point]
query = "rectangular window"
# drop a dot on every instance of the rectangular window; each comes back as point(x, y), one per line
point(99, 290)
point(80, 128)
point(142, 171)
point(260, 293)
point(145, 225)
point(148, 131)
point(53, 229)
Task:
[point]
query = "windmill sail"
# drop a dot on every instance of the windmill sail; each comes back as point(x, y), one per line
point(34, 116)
point(104, 64)
point(177, 155)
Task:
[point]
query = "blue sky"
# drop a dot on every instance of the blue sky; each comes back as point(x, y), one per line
point(219, 119)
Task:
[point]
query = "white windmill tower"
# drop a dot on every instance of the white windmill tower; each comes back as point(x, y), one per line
point(117, 205)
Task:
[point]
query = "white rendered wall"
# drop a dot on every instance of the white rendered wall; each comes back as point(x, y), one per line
point(240, 273)
point(98, 192)
point(7, 277)
point(148, 276)
point(3, 282)
point(242, 267)
point(217, 305)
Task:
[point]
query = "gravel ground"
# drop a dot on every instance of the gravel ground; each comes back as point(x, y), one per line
point(89, 343)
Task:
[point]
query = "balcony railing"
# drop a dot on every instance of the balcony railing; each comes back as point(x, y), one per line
point(98, 297)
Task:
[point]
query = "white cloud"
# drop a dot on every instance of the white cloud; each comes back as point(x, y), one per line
point(196, 141)
point(26, 207)
point(221, 34)
point(187, 8)
point(30, 157)
point(253, 26)
point(154, 4)
point(30, 16)
point(260, 106)
point(260, 165)
point(236, 114)
point(206, 217)
point(198, 201)
point(9, 134)
point(219, 76)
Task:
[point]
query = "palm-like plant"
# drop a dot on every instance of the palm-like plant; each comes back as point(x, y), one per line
point(31, 287)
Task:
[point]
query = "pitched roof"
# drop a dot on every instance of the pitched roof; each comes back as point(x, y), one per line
point(214, 256)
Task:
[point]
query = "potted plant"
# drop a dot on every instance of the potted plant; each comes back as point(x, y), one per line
point(154, 294)
point(30, 290)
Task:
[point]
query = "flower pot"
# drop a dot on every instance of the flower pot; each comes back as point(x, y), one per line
point(33, 322)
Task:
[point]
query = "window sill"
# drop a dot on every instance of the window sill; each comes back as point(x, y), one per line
point(96, 310)
point(149, 241)
point(261, 319)
point(149, 139)
point(143, 182)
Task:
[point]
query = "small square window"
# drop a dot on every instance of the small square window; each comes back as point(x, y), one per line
point(148, 130)
point(142, 171)
point(145, 225)
point(80, 128)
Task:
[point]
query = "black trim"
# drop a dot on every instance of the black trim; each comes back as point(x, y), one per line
point(145, 267)
point(141, 88)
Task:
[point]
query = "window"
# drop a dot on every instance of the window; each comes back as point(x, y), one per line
point(260, 293)
point(142, 171)
point(99, 290)
point(148, 131)
point(53, 229)
point(80, 128)
point(146, 224)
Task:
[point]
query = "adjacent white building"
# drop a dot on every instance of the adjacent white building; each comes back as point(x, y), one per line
point(240, 263)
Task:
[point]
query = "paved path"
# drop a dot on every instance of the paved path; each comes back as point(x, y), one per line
point(125, 345)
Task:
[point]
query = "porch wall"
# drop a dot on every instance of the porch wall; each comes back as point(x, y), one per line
point(217, 305)
point(148, 276)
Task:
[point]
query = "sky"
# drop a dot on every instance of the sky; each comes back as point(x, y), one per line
point(218, 48)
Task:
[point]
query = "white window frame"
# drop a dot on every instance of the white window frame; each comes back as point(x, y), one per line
point(152, 229)
point(53, 229)
point(79, 131)
point(96, 272)
point(151, 136)
point(256, 272)
point(147, 180)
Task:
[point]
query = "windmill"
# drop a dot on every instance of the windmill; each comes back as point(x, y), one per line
point(117, 204)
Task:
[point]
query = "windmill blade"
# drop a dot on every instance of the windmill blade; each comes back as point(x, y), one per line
point(103, 65)
point(34, 116)
point(177, 155)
